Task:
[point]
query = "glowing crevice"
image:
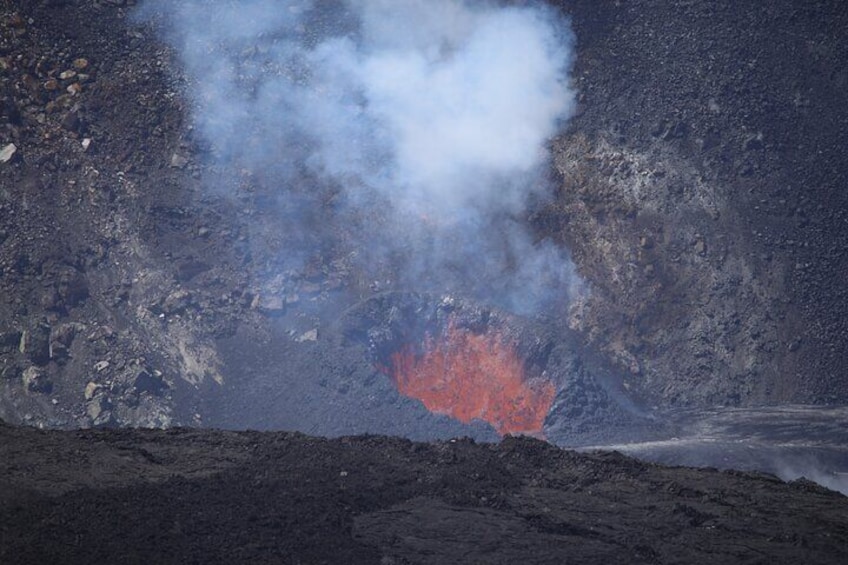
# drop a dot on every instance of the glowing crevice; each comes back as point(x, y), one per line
point(471, 376)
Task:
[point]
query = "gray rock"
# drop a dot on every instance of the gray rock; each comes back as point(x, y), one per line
point(177, 302)
point(59, 352)
point(311, 335)
point(61, 338)
point(8, 152)
point(35, 343)
point(72, 122)
point(99, 411)
point(178, 161)
point(270, 305)
point(50, 299)
point(73, 286)
point(91, 390)
point(36, 379)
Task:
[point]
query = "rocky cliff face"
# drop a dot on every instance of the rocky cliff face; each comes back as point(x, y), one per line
point(698, 190)
point(701, 197)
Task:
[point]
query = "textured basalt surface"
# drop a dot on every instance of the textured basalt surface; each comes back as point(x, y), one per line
point(178, 496)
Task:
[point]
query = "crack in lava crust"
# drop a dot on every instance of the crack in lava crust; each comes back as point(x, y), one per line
point(472, 376)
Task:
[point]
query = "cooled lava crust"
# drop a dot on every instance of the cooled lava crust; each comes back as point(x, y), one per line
point(205, 496)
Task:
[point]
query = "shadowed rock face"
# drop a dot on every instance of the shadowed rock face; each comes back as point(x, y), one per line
point(698, 190)
point(177, 495)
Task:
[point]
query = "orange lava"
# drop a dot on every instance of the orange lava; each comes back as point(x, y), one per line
point(470, 376)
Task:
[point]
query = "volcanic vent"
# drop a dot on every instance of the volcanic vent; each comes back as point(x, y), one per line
point(473, 362)
point(470, 376)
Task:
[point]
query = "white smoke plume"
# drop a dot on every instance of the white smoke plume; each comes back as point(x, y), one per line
point(431, 116)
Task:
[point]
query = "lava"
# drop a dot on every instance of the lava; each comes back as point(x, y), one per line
point(472, 376)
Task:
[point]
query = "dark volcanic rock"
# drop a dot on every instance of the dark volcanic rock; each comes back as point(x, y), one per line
point(35, 343)
point(146, 382)
point(222, 497)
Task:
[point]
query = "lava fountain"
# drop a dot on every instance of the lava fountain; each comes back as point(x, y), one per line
point(469, 376)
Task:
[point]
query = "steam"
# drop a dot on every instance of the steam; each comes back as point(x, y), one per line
point(429, 119)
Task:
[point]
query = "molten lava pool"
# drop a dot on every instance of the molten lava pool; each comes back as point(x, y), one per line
point(472, 376)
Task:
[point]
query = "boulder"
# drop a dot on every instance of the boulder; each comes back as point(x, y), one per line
point(91, 390)
point(36, 379)
point(35, 343)
point(99, 411)
point(60, 341)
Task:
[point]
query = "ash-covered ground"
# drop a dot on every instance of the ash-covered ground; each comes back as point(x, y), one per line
point(610, 224)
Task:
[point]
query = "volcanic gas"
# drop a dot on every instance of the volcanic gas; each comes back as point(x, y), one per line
point(469, 376)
